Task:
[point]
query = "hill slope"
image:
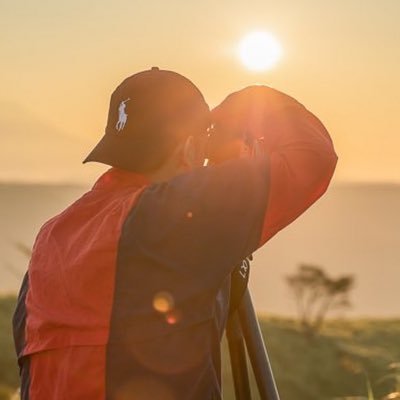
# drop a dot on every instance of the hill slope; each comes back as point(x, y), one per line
point(352, 229)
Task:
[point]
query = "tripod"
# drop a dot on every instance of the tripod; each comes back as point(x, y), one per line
point(243, 329)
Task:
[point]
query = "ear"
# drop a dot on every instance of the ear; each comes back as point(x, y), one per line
point(244, 150)
point(189, 152)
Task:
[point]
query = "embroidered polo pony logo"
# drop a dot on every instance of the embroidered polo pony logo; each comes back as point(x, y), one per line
point(122, 115)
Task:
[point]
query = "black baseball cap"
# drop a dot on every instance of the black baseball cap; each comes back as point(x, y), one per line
point(149, 113)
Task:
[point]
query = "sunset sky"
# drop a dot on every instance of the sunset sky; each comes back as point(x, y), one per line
point(61, 60)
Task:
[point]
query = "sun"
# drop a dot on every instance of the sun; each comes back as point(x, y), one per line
point(259, 51)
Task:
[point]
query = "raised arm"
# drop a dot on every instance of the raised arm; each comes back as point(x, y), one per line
point(299, 151)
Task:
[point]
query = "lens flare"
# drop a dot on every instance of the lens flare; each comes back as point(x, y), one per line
point(173, 317)
point(163, 302)
point(144, 388)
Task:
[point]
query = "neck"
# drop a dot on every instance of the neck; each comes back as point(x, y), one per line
point(161, 175)
point(172, 167)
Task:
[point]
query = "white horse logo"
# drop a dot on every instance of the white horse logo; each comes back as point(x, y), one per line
point(122, 115)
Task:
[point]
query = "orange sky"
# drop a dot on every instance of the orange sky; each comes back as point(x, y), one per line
point(60, 61)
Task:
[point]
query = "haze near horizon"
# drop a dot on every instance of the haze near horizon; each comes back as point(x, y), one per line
point(62, 60)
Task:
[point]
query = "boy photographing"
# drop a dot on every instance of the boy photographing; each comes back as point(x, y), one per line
point(127, 292)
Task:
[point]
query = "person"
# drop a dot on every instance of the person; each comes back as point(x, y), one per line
point(127, 291)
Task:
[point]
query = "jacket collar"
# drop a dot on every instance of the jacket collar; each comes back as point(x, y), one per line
point(118, 178)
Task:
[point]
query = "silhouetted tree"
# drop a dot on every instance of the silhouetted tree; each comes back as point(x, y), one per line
point(316, 294)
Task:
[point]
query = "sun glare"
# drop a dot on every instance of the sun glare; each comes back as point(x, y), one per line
point(259, 51)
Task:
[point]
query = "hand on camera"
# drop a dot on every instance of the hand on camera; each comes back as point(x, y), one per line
point(242, 121)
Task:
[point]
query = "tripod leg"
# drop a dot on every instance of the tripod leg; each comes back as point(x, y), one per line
point(237, 354)
point(256, 349)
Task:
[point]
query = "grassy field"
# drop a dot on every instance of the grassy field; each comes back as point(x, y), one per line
point(338, 363)
point(8, 366)
point(335, 364)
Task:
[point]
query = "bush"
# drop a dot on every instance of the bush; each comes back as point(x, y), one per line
point(8, 363)
point(5, 392)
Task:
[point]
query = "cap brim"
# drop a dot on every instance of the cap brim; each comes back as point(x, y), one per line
point(103, 152)
point(132, 153)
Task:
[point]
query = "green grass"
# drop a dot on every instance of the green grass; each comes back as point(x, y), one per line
point(332, 366)
point(8, 364)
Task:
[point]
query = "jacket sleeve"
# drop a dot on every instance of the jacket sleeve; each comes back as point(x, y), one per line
point(301, 162)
